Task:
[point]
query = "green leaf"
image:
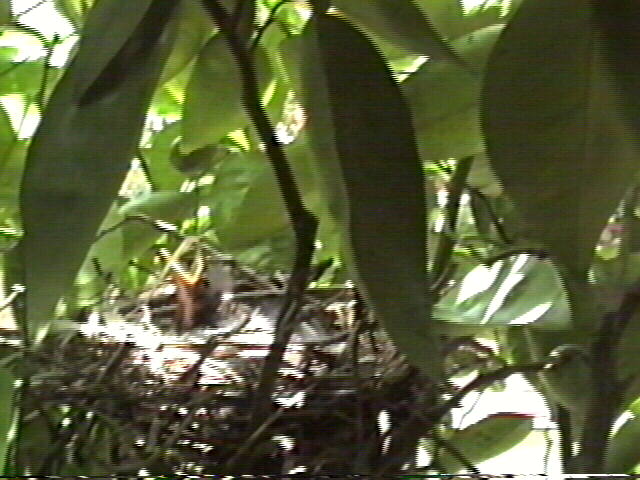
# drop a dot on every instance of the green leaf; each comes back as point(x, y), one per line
point(21, 78)
point(555, 128)
point(246, 201)
point(107, 250)
point(400, 23)
point(213, 104)
point(169, 206)
point(194, 29)
point(74, 10)
point(628, 359)
point(10, 170)
point(446, 15)
point(570, 383)
point(198, 162)
point(487, 438)
point(444, 100)
point(81, 151)
point(623, 453)
point(520, 290)
point(157, 156)
point(482, 177)
point(361, 135)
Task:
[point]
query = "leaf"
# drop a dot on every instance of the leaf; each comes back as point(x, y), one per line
point(73, 10)
point(444, 100)
point(81, 150)
point(487, 438)
point(627, 365)
point(570, 383)
point(361, 135)
point(11, 169)
point(400, 23)
point(482, 178)
point(553, 119)
point(446, 15)
point(157, 156)
point(246, 198)
point(168, 206)
point(194, 29)
point(213, 104)
point(520, 290)
point(107, 250)
point(198, 162)
point(623, 453)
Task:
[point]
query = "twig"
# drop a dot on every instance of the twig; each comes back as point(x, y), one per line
point(447, 242)
point(144, 165)
point(500, 230)
point(267, 23)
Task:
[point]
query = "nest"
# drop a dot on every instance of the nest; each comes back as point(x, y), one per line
point(157, 402)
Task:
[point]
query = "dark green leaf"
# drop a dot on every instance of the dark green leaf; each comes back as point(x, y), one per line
point(213, 103)
point(557, 134)
point(444, 99)
point(80, 153)
point(361, 134)
point(487, 438)
point(194, 29)
point(401, 23)
point(623, 453)
point(164, 176)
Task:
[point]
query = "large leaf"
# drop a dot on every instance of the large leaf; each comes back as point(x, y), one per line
point(444, 100)
point(81, 150)
point(555, 127)
point(164, 176)
point(401, 23)
point(570, 383)
point(361, 134)
point(169, 206)
point(487, 438)
point(213, 105)
point(451, 20)
point(194, 28)
point(73, 10)
point(246, 201)
point(516, 291)
point(623, 453)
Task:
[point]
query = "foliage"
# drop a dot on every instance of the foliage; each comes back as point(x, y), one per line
point(470, 168)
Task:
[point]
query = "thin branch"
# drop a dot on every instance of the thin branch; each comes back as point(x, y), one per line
point(42, 92)
point(497, 223)
point(447, 242)
point(267, 23)
point(304, 223)
point(144, 165)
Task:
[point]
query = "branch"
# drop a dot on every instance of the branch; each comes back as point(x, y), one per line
point(304, 223)
point(607, 395)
